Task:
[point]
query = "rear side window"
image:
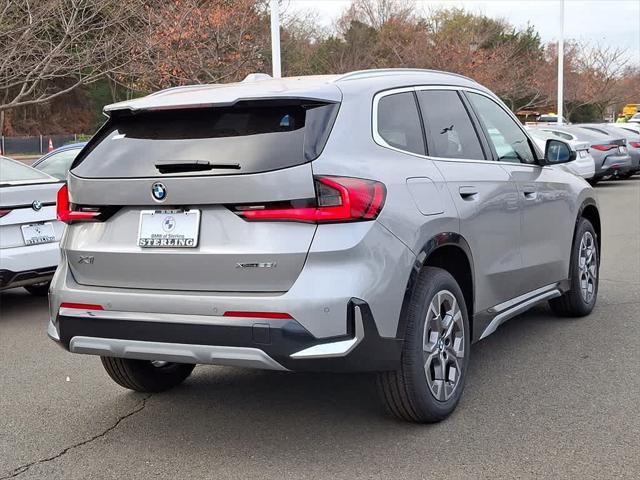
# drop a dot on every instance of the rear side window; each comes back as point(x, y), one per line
point(449, 129)
point(250, 137)
point(398, 122)
point(509, 141)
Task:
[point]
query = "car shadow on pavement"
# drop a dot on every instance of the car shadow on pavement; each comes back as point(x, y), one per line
point(16, 301)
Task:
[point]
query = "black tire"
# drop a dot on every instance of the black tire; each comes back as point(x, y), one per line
point(38, 289)
point(406, 392)
point(625, 176)
point(594, 181)
point(573, 303)
point(144, 376)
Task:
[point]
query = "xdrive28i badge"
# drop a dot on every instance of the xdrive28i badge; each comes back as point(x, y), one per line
point(159, 192)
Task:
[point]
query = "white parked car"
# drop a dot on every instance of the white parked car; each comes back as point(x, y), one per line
point(632, 127)
point(29, 230)
point(584, 165)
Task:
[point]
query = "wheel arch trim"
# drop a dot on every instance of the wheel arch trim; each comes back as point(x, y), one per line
point(435, 243)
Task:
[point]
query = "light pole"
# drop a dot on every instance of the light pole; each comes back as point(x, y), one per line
point(561, 64)
point(275, 38)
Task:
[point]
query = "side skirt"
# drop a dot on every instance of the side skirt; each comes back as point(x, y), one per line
point(488, 321)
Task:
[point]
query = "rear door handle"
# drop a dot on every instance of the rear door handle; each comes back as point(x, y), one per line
point(468, 193)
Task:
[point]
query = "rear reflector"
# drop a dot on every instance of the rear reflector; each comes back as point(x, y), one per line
point(338, 199)
point(604, 148)
point(258, 315)
point(81, 306)
point(67, 215)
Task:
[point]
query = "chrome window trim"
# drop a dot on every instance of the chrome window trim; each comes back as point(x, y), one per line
point(377, 138)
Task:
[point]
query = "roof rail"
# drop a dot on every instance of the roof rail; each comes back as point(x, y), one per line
point(180, 87)
point(375, 72)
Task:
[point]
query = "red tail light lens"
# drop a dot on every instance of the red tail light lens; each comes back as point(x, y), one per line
point(635, 144)
point(338, 199)
point(67, 215)
point(604, 148)
point(3, 212)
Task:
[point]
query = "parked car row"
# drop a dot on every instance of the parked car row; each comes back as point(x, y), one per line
point(613, 149)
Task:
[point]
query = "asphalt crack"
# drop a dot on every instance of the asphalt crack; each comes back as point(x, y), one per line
point(24, 468)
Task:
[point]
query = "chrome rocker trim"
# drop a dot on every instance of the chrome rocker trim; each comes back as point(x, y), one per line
point(518, 305)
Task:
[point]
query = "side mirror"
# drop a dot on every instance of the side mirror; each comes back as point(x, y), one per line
point(557, 151)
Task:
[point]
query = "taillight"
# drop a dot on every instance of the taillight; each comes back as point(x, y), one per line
point(604, 148)
point(3, 212)
point(67, 215)
point(635, 144)
point(338, 199)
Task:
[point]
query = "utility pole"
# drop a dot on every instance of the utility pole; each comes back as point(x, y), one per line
point(561, 65)
point(275, 38)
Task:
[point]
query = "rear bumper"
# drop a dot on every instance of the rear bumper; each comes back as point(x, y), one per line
point(246, 342)
point(30, 257)
point(10, 279)
point(614, 165)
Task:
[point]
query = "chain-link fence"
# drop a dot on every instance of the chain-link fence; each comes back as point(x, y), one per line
point(36, 145)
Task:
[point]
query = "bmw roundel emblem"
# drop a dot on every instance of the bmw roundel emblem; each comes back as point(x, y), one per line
point(158, 191)
point(36, 205)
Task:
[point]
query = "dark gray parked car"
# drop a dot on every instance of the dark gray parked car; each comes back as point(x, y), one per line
point(609, 152)
point(633, 143)
point(373, 221)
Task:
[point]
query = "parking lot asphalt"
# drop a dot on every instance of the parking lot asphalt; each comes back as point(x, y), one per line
point(545, 397)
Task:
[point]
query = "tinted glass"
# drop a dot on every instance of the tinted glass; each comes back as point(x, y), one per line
point(508, 139)
point(249, 137)
point(399, 122)
point(449, 127)
point(58, 164)
point(12, 171)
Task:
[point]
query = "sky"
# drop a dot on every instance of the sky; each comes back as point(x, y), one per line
point(608, 22)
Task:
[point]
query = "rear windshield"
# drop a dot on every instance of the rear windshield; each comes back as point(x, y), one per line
point(16, 172)
point(249, 137)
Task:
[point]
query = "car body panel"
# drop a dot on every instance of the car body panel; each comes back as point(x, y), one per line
point(334, 275)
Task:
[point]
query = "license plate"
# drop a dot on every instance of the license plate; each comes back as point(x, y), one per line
point(38, 233)
point(583, 153)
point(169, 228)
point(622, 150)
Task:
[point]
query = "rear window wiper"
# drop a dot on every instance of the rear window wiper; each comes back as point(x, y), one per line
point(193, 166)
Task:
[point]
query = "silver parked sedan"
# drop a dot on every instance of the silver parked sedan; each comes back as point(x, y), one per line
point(379, 221)
point(633, 142)
point(610, 153)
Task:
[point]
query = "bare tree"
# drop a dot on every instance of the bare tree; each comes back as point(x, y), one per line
point(195, 41)
point(50, 47)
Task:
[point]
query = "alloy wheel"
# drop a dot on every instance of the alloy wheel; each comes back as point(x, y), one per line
point(588, 266)
point(443, 345)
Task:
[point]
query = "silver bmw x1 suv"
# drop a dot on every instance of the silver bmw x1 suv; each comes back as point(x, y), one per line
point(376, 221)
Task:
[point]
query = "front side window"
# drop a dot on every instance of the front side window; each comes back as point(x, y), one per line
point(449, 127)
point(399, 122)
point(508, 139)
